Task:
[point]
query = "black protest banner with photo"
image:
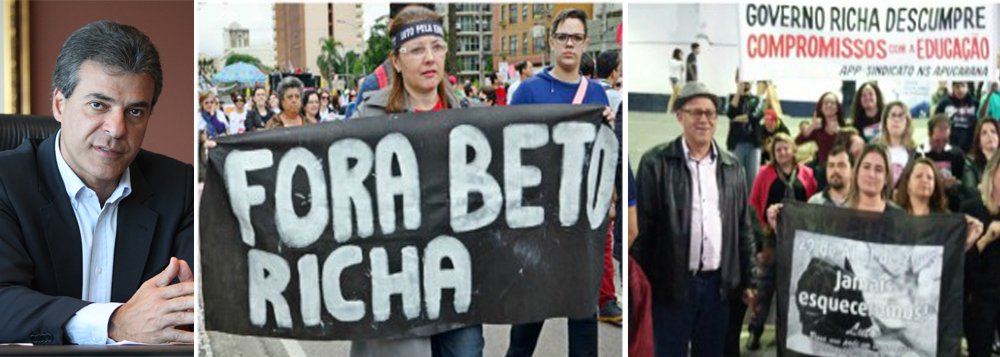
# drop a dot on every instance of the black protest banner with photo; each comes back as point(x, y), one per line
point(407, 225)
point(862, 284)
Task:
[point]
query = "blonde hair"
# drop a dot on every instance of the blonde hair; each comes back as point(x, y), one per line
point(883, 137)
point(785, 138)
point(986, 185)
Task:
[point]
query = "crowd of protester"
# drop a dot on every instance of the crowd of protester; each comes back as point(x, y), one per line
point(413, 79)
point(691, 242)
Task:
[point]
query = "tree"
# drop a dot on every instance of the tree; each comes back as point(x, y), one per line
point(378, 44)
point(240, 57)
point(330, 61)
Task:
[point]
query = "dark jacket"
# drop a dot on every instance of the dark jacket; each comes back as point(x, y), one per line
point(744, 132)
point(982, 269)
point(375, 103)
point(40, 259)
point(664, 214)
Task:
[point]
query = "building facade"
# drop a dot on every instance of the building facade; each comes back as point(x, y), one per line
point(520, 31)
point(300, 30)
point(236, 40)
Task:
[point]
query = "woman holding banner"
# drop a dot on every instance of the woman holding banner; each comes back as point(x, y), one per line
point(982, 266)
point(783, 178)
point(870, 190)
point(866, 110)
point(418, 57)
point(921, 193)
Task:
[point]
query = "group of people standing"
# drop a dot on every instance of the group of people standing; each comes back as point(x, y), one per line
point(413, 79)
point(707, 215)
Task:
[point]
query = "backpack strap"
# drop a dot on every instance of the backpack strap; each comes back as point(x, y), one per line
point(581, 90)
point(383, 78)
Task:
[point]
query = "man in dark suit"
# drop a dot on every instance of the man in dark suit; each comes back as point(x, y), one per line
point(95, 233)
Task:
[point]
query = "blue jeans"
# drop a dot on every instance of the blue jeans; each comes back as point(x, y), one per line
point(582, 335)
point(701, 321)
point(462, 342)
point(749, 157)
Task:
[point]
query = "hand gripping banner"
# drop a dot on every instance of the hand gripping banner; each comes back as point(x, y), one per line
point(863, 284)
point(408, 224)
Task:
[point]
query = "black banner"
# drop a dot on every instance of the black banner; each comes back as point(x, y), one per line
point(863, 284)
point(407, 225)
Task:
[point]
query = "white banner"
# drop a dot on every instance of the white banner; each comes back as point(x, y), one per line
point(867, 42)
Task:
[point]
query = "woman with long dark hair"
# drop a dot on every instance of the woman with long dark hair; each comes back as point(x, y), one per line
point(310, 107)
point(259, 114)
point(866, 110)
point(828, 118)
point(984, 145)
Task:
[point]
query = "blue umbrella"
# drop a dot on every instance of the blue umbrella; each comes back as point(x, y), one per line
point(241, 72)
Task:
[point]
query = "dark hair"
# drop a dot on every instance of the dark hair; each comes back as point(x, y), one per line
point(234, 95)
point(694, 45)
point(520, 66)
point(490, 92)
point(843, 138)
point(305, 98)
point(586, 65)
point(819, 109)
point(572, 13)
point(397, 93)
point(938, 200)
point(938, 119)
point(120, 49)
point(857, 111)
point(290, 82)
point(975, 151)
point(607, 62)
point(840, 149)
point(678, 53)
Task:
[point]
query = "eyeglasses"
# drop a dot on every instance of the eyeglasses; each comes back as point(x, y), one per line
point(437, 49)
point(325, 98)
point(698, 113)
point(565, 37)
point(238, 100)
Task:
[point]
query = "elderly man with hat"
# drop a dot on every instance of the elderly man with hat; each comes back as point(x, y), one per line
point(695, 239)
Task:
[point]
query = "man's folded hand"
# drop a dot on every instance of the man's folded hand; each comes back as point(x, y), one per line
point(153, 314)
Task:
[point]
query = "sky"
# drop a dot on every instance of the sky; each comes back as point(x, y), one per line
point(213, 16)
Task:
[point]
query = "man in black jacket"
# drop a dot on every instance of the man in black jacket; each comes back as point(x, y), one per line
point(695, 242)
point(96, 233)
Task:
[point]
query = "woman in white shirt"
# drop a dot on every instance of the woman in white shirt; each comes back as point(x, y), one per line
point(675, 69)
point(238, 117)
point(897, 136)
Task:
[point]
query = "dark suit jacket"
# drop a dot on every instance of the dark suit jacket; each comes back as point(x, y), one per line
point(40, 248)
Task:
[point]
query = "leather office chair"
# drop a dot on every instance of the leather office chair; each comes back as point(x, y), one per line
point(14, 129)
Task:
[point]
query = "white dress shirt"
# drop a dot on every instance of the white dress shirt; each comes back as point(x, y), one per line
point(705, 252)
point(98, 226)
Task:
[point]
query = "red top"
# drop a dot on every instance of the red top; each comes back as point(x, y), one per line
point(437, 107)
point(766, 177)
point(640, 313)
point(501, 95)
